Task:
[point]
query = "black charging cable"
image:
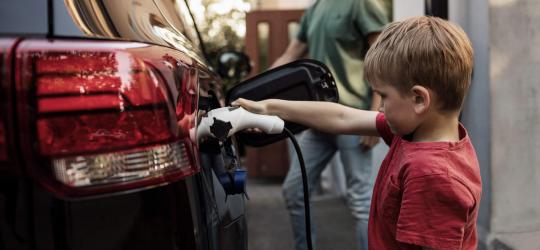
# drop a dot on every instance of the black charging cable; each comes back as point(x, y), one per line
point(305, 187)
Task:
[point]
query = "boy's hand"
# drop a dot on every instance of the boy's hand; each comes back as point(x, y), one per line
point(368, 142)
point(259, 107)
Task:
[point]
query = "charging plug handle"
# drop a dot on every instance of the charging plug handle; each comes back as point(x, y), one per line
point(224, 122)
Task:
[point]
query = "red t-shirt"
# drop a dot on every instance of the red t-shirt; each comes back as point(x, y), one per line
point(426, 194)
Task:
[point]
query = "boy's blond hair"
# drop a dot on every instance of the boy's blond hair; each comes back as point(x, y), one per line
point(426, 51)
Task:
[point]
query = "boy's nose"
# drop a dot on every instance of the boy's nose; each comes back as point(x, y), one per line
point(381, 109)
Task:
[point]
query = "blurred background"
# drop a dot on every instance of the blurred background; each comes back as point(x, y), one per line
point(501, 113)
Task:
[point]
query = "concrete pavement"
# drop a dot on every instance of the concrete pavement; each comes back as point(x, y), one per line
point(268, 221)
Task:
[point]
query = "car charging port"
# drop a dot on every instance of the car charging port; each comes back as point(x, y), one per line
point(220, 124)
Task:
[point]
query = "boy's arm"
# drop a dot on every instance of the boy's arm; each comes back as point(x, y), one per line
point(368, 142)
point(323, 116)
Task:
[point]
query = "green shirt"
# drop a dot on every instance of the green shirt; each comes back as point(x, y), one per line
point(336, 32)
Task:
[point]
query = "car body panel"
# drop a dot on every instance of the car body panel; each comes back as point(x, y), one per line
point(136, 20)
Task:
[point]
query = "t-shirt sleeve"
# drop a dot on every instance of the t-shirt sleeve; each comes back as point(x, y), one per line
point(384, 129)
point(304, 24)
point(435, 210)
point(372, 15)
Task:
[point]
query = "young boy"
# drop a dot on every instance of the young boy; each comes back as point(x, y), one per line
point(428, 188)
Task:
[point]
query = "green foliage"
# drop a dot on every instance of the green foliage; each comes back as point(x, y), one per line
point(222, 27)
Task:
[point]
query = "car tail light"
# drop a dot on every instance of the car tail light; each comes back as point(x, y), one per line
point(80, 171)
point(107, 116)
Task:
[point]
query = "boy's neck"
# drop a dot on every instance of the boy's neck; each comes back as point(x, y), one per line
point(438, 127)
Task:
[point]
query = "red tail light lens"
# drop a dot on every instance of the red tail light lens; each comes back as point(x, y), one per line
point(126, 100)
point(106, 113)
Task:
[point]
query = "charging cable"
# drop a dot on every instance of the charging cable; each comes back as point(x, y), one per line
point(304, 186)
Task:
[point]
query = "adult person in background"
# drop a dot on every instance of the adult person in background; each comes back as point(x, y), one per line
point(337, 33)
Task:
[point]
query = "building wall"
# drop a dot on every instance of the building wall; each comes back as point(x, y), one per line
point(515, 101)
point(501, 113)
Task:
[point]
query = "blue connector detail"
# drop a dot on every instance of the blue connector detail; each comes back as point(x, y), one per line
point(234, 183)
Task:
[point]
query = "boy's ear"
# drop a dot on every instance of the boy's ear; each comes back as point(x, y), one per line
point(421, 98)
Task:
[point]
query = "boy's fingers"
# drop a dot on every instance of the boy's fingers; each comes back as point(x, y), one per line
point(248, 105)
point(238, 102)
point(235, 103)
